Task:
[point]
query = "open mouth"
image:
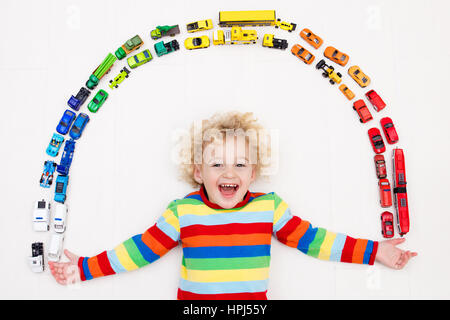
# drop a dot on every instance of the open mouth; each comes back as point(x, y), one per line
point(228, 190)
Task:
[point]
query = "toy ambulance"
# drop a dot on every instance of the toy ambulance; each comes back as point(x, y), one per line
point(55, 247)
point(59, 217)
point(41, 215)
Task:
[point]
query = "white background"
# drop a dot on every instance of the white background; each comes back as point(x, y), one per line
point(123, 175)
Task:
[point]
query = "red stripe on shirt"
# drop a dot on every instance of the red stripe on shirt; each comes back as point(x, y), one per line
point(164, 239)
point(288, 228)
point(347, 251)
point(231, 228)
point(104, 264)
point(186, 295)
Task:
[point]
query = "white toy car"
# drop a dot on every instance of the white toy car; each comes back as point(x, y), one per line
point(37, 257)
point(41, 215)
point(59, 217)
point(55, 247)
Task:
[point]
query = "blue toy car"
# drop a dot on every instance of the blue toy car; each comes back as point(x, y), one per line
point(61, 188)
point(65, 122)
point(47, 175)
point(78, 126)
point(54, 145)
point(66, 158)
point(76, 102)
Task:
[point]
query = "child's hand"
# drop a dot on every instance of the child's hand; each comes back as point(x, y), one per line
point(66, 272)
point(391, 256)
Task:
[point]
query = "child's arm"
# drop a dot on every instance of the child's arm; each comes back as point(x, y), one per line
point(326, 245)
point(134, 253)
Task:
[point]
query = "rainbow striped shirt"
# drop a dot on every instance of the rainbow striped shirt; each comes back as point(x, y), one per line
point(226, 252)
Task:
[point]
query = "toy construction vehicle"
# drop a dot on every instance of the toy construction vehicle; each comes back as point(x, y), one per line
point(328, 72)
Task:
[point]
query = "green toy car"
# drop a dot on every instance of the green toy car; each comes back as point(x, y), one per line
point(139, 59)
point(98, 101)
point(162, 48)
point(129, 46)
point(119, 78)
point(162, 31)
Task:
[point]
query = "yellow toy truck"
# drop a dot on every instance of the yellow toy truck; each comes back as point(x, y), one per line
point(235, 36)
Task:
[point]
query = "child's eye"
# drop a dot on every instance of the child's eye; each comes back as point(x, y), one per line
point(216, 165)
point(240, 165)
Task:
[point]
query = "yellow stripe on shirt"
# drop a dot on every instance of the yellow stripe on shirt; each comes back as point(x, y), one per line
point(224, 275)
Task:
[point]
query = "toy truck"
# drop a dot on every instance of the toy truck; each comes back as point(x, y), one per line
point(101, 70)
point(235, 36)
point(271, 42)
point(37, 257)
point(328, 72)
point(129, 46)
point(162, 48)
point(162, 31)
point(400, 195)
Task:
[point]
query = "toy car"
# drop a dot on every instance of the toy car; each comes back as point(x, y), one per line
point(236, 35)
point(376, 140)
point(54, 145)
point(36, 260)
point(41, 215)
point(196, 42)
point(47, 175)
point(363, 112)
point(162, 48)
point(78, 126)
point(387, 224)
point(389, 130)
point(76, 102)
point(98, 100)
point(100, 71)
point(336, 56)
point(65, 122)
point(303, 54)
point(311, 38)
point(59, 218)
point(346, 91)
point(328, 72)
point(376, 101)
point(162, 31)
point(385, 193)
point(285, 25)
point(55, 247)
point(139, 59)
point(400, 194)
point(356, 73)
point(66, 158)
point(129, 46)
point(380, 166)
point(199, 25)
point(270, 41)
point(124, 73)
point(61, 188)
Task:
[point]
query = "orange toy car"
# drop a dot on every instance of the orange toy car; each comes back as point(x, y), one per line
point(303, 54)
point(335, 55)
point(359, 76)
point(346, 91)
point(311, 38)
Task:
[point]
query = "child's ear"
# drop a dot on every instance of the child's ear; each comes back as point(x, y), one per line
point(253, 176)
point(198, 174)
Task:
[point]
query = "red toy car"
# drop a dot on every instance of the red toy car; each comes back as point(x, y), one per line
point(400, 195)
point(387, 224)
point(376, 140)
point(385, 193)
point(364, 114)
point(389, 130)
point(380, 166)
point(377, 103)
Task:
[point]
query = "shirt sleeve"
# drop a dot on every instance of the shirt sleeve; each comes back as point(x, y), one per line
point(136, 252)
point(318, 242)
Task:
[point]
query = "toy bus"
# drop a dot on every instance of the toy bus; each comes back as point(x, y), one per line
point(247, 18)
point(235, 36)
point(400, 195)
point(101, 70)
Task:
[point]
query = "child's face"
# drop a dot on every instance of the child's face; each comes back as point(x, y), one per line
point(225, 171)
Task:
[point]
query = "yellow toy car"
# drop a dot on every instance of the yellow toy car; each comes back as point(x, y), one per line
point(359, 76)
point(285, 25)
point(235, 36)
point(196, 42)
point(346, 91)
point(199, 25)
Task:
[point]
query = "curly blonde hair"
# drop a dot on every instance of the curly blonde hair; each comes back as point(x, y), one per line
point(207, 131)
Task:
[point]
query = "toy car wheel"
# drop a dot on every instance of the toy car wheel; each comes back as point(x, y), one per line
point(332, 82)
point(354, 108)
point(116, 86)
point(320, 64)
point(324, 74)
point(340, 75)
point(276, 27)
point(360, 120)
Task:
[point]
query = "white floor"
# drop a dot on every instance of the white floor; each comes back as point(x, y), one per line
point(123, 175)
